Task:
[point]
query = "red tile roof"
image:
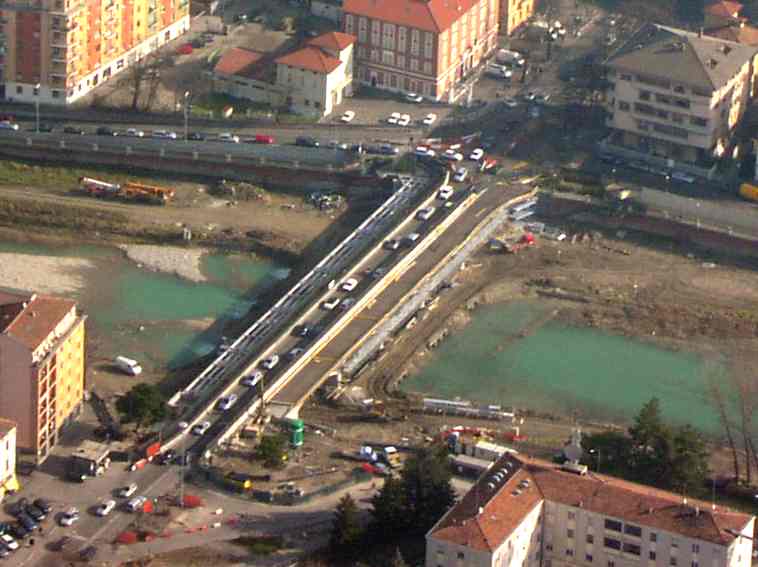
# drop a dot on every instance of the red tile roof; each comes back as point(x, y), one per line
point(31, 318)
point(724, 9)
point(310, 58)
point(429, 15)
point(745, 34)
point(238, 61)
point(334, 41)
point(484, 518)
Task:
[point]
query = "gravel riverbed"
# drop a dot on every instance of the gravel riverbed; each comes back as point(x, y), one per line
point(182, 262)
point(54, 275)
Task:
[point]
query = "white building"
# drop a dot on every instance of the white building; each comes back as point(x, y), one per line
point(319, 75)
point(525, 512)
point(7, 457)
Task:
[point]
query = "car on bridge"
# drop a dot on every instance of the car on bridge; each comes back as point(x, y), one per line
point(227, 402)
point(251, 380)
point(425, 213)
point(271, 362)
point(330, 304)
point(201, 428)
point(163, 135)
point(349, 284)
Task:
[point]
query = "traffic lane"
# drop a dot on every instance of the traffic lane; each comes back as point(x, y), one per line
point(389, 298)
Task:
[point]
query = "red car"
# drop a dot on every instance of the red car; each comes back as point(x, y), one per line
point(186, 49)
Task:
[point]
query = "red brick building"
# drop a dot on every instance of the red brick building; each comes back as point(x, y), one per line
point(421, 46)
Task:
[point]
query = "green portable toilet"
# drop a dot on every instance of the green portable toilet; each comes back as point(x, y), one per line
point(296, 432)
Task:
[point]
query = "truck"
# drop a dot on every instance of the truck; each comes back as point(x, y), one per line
point(98, 188)
point(749, 192)
point(391, 456)
point(89, 460)
point(128, 365)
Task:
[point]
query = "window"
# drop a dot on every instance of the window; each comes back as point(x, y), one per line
point(632, 548)
point(415, 42)
point(612, 543)
point(695, 548)
point(613, 525)
point(428, 45)
point(611, 563)
point(362, 28)
point(427, 67)
point(693, 564)
point(461, 555)
point(590, 538)
point(651, 555)
point(622, 106)
point(375, 25)
point(679, 89)
point(570, 534)
point(570, 552)
point(349, 23)
point(631, 529)
point(19, 89)
point(663, 98)
point(388, 36)
point(645, 95)
point(414, 64)
point(702, 122)
point(401, 61)
point(571, 515)
point(549, 547)
point(401, 39)
point(588, 558)
point(388, 57)
point(672, 561)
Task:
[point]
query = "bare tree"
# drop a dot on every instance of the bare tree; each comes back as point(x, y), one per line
point(719, 401)
point(747, 406)
point(145, 73)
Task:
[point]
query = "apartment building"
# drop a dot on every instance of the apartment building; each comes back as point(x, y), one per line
point(56, 51)
point(41, 367)
point(676, 97)
point(526, 512)
point(8, 482)
point(513, 13)
point(427, 47)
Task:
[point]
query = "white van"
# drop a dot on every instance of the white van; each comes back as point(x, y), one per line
point(128, 365)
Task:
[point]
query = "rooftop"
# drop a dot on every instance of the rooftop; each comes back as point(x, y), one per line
point(515, 485)
point(30, 318)
point(429, 15)
point(724, 9)
point(311, 59)
point(5, 426)
point(681, 56)
point(243, 63)
point(744, 33)
point(332, 41)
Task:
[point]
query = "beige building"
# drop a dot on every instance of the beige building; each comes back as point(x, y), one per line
point(514, 13)
point(529, 513)
point(676, 97)
point(8, 482)
point(41, 367)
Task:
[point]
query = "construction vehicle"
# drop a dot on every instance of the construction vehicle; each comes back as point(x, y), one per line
point(98, 188)
point(749, 192)
point(527, 239)
point(128, 191)
point(391, 457)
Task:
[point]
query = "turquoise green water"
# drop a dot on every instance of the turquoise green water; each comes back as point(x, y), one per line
point(157, 318)
point(564, 371)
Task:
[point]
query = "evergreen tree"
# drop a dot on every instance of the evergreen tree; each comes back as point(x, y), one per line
point(143, 405)
point(426, 484)
point(690, 460)
point(346, 529)
point(388, 512)
point(648, 425)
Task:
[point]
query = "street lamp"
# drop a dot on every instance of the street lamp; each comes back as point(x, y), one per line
point(596, 452)
point(186, 115)
point(36, 105)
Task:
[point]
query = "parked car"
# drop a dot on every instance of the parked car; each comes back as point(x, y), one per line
point(8, 125)
point(127, 491)
point(164, 135)
point(27, 521)
point(404, 120)
point(134, 133)
point(393, 118)
point(73, 130)
point(37, 514)
point(541, 98)
point(510, 102)
point(347, 303)
point(424, 151)
point(136, 504)
point(414, 97)
point(88, 553)
point(388, 150)
point(307, 141)
point(19, 531)
point(105, 508)
point(349, 284)
point(445, 192)
point(271, 362)
point(293, 353)
point(301, 331)
point(43, 505)
point(391, 244)
point(9, 541)
point(347, 116)
point(429, 119)
point(227, 402)
point(452, 155)
point(69, 517)
point(476, 155)
point(196, 136)
point(105, 131)
point(201, 428)
point(411, 239)
point(460, 175)
point(682, 176)
point(167, 457)
point(228, 137)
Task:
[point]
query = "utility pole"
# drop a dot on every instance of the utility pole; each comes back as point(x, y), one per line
point(36, 105)
point(186, 115)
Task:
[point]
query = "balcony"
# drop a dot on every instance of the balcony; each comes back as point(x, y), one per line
point(59, 39)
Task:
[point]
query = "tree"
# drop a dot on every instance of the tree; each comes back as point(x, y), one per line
point(388, 510)
point(427, 489)
point(398, 560)
point(689, 464)
point(719, 401)
point(612, 451)
point(143, 404)
point(272, 450)
point(648, 425)
point(346, 529)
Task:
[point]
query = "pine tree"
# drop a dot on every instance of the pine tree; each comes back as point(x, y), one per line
point(346, 529)
point(389, 515)
point(426, 484)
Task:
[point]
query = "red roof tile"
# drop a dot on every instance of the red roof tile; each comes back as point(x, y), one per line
point(484, 518)
point(238, 61)
point(745, 34)
point(32, 318)
point(334, 41)
point(428, 15)
point(725, 9)
point(311, 59)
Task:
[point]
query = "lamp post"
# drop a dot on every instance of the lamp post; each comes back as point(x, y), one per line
point(186, 115)
point(597, 453)
point(36, 106)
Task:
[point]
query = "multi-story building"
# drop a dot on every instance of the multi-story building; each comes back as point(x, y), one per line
point(676, 97)
point(422, 46)
point(56, 51)
point(513, 13)
point(528, 513)
point(41, 367)
point(8, 482)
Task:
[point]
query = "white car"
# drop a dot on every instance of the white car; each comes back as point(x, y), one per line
point(452, 155)
point(347, 116)
point(271, 362)
point(127, 491)
point(405, 120)
point(393, 118)
point(424, 151)
point(445, 192)
point(510, 102)
point(164, 134)
point(330, 304)
point(182, 425)
point(201, 428)
point(9, 542)
point(476, 155)
point(105, 508)
point(349, 284)
point(414, 97)
point(227, 402)
point(252, 379)
point(429, 119)
point(69, 517)
point(425, 213)
point(5, 125)
point(460, 175)
point(682, 176)
point(228, 137)
point(134, 133)
point(136, 504)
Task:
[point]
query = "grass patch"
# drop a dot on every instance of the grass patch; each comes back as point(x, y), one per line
point(62, 177)
point(213, 104)
point(260, 545)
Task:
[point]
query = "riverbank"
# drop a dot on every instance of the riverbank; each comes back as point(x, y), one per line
point(181, 262)
point(52, 275)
